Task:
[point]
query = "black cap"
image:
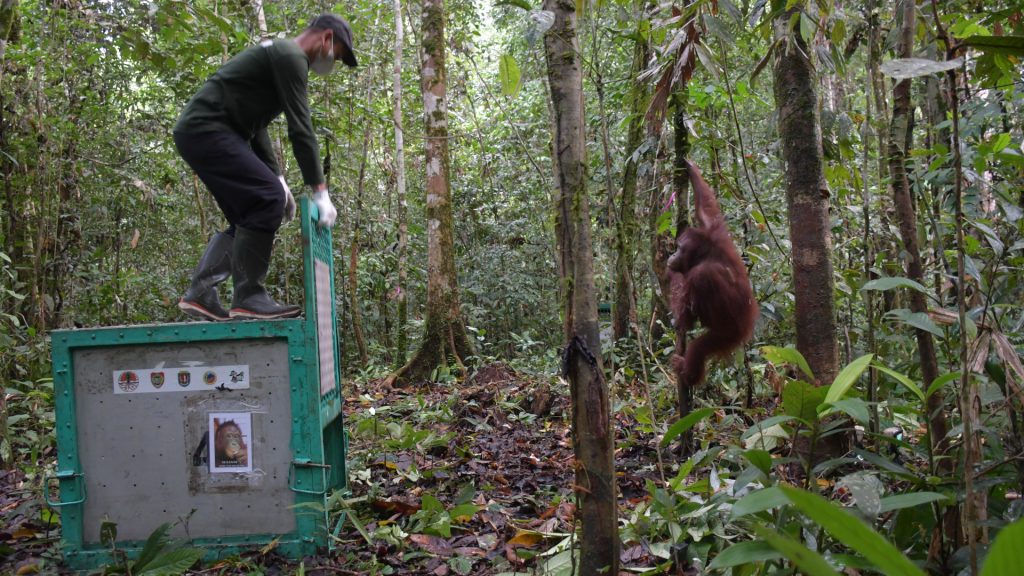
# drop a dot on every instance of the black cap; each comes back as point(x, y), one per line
point(341, 30)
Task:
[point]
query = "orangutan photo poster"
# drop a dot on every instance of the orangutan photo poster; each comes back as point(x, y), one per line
point(231, 435)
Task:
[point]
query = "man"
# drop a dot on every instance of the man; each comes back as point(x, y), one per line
point(222, 134)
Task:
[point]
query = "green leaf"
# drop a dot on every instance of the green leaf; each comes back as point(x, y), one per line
point(760, 458)
point(517, 3)
point(901, 501)
point(744, 553)
point(847, 377)
point(919, 320)
point(941, 382)
point(780, 356)
point(156, 542)
point(758, 501)
point(807, 27)
point(902, 379)
point(800, 400)
point(463, 512)
point(171, 563)
point(853, 533)
point(765, 424)
point(906, 68)
point(1004, 44)
point(108, 532)
point(508, 71)
point(808, 561)
point(684, 424)
point(891, 282)
point(855, 407)
point(431, 504)
point(1001, 141)
point(1007, 553)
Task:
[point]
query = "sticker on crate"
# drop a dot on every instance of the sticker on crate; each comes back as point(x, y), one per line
point(183, 379)
point(232, 442)
point(324, 325)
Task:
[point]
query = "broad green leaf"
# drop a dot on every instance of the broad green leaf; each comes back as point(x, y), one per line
point(508, 71)
point(902, 379)
point(684, 424)
point(463, 512)
point(760, 458)
point(886, 464)
point(1001, 141)
point(800, 400)
point(901, 501)
point(1007, 553)
point(156, 542)
point(919, 320)
point(891, 282)
point(1005, 44)
point(807, 27)
point(780, 356)
point(847, 377)
point(905, 68)
point(172, 563)
point(854, 407)
point(744, 553)
point(941, 382)
point(809, 562)
point(758, 501)
point(765, 424)
point(517, 3)
point(853, 533)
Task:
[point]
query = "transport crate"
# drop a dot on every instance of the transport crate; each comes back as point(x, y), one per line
point(232, 431)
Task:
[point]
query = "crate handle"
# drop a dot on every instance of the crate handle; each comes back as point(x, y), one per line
point(306, 463)
point(61, 477)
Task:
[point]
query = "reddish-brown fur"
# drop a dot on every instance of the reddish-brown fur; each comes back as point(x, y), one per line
point(710, 284)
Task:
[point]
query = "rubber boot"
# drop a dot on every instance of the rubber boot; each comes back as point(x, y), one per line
point(201, 299)
point(250, 259)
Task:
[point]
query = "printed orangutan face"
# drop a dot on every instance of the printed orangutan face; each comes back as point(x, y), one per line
point(229, 439)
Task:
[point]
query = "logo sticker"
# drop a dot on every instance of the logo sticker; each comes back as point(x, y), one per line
point(128, 381)
point(237, 376)
point(184, 378)
point(210, 377)
point(156, 379)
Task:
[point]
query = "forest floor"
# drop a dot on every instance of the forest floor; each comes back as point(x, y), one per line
point(473, 477)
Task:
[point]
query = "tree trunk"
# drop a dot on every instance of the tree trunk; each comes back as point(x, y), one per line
point(353, 259)
point(591, 417)
point(681, 191)
point(900, 141)
point(807, 197)
point(403, 223)
point(624, 310)
point(445, 333)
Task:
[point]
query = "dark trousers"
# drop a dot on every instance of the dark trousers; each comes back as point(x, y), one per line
point(247, 190)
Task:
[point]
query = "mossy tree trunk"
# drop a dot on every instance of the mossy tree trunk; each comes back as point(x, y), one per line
point(591, 413)
point(403, 223)
point(807, 196)
point(900, 142)
point(444, 332)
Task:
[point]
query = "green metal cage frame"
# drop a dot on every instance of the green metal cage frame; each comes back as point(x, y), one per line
point(318, 443)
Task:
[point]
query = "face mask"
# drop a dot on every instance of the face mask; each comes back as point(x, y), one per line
point(323, 65)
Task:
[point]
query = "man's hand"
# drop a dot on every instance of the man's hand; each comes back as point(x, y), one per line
point(328, 214)
point(289, 201)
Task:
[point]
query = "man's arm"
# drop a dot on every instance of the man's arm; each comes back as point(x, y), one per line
point(265, 150)
point(290, 77)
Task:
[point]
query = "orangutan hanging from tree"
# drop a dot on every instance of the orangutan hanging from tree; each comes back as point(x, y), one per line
point(710, 284)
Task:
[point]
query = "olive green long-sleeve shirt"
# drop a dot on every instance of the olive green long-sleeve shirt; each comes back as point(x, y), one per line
point(248, 92)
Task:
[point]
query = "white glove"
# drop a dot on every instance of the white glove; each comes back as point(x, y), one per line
point(328, 214)
point(289, 201)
